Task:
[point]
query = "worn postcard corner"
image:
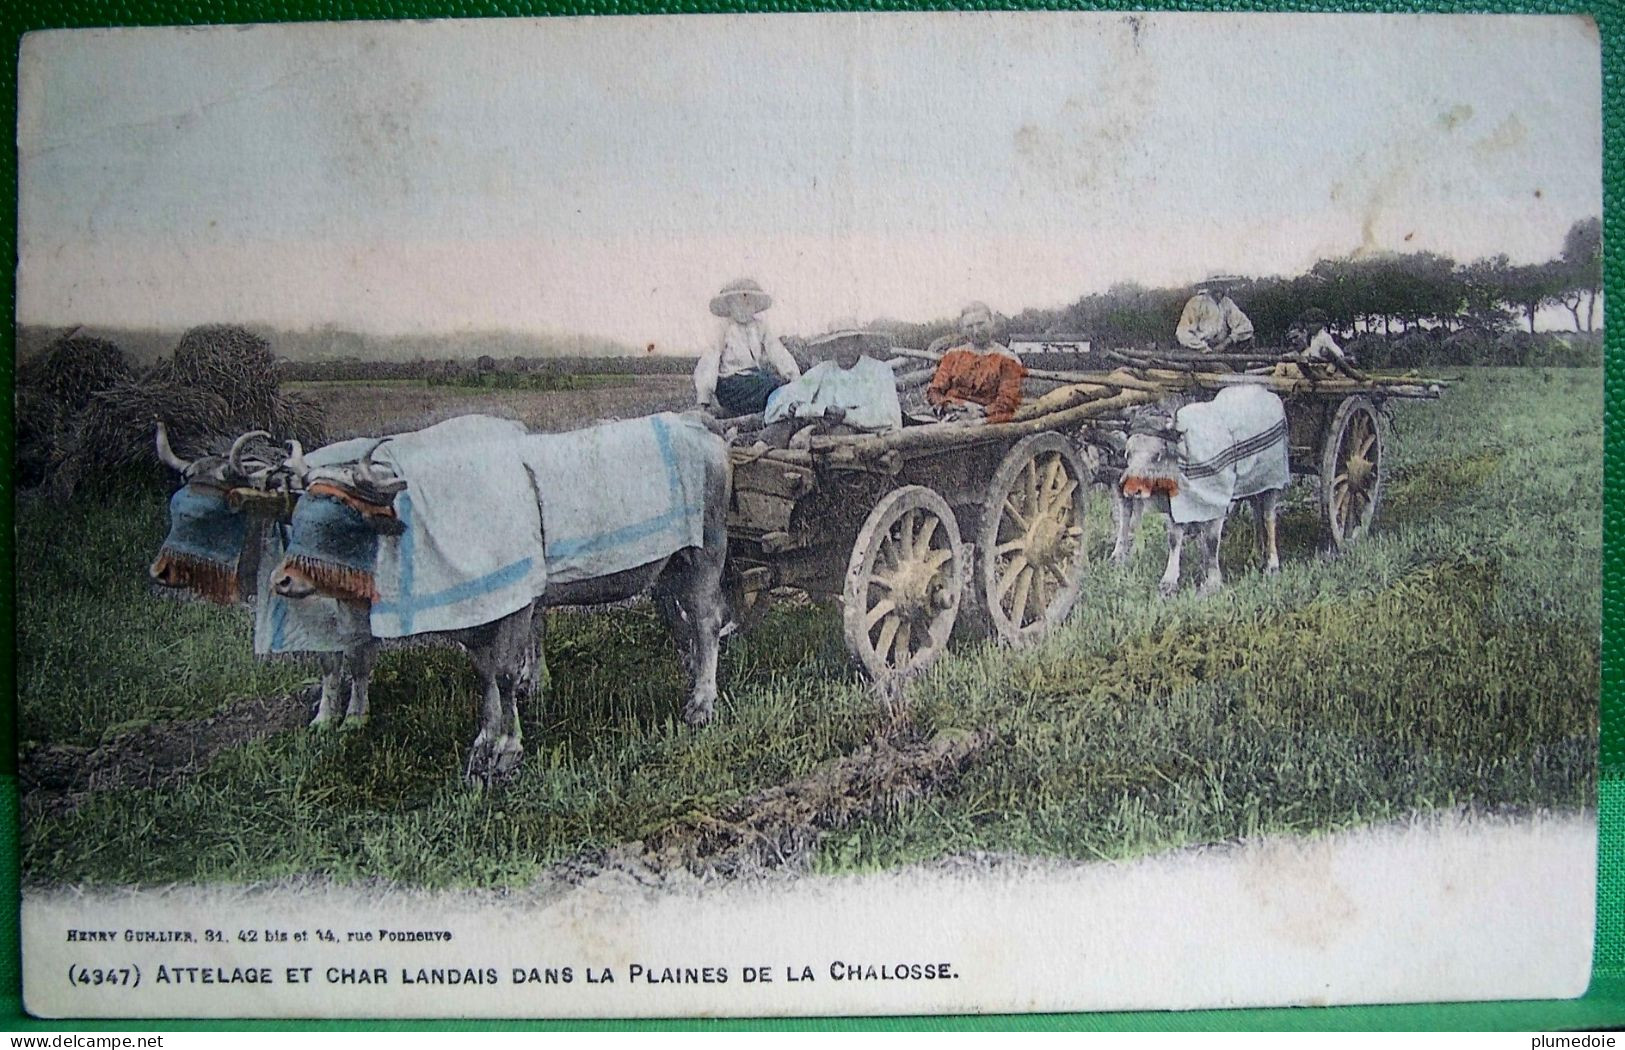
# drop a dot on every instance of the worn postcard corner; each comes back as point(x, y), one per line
point(747, 515)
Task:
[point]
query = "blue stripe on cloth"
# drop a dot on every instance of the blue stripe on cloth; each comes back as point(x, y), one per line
point(575, 548)
point(279, 623)
point(410, 604)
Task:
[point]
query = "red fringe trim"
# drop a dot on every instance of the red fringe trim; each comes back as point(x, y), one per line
point(1138, 486)
point(334, 581)
point(351, 500)
point(207, 579)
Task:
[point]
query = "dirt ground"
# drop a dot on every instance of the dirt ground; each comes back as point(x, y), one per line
point(56, 778)
point(356, 409)
point(773, 829)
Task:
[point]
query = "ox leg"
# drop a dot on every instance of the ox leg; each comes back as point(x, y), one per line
point(327, 707)
point(706, 609)
point(679, 622)
point(535, 682)
point(500, 660)
point(1266, 509)
point(1126, 516)
point(1170, 575)
point(1208, 535)
point(358, 664)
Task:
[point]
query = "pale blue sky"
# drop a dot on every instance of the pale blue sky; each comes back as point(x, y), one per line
point(607, 175)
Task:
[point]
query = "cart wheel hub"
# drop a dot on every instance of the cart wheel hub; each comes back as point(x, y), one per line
point(1359, 470)
point(1044, 542)
point(915, 592)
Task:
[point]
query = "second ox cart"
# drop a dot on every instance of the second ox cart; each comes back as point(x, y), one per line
point(985, 529)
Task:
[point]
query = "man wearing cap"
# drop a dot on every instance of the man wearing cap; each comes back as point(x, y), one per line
point(735, 377)
point(1318, 348)
point(978, 380)
point(851, 393)
point(1211, 320)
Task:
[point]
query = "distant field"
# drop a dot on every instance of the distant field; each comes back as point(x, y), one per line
point(1449, 662)
point(357, 407)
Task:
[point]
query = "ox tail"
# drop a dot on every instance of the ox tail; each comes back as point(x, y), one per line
point(334, 581)
point(212, 580)
point(1135, 485)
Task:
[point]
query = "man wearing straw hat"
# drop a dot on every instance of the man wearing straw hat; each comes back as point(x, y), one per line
point(735, 377)
point(1211, 320)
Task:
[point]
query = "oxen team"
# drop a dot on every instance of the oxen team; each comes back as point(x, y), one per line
point(309, 538)
point(332, 547)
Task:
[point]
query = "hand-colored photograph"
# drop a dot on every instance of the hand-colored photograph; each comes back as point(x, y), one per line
point(808, 514)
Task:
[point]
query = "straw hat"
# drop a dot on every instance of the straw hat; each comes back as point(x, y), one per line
point(744, 288)
point(1219, 280)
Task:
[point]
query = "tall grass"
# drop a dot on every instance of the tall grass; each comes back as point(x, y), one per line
point(1450, 660)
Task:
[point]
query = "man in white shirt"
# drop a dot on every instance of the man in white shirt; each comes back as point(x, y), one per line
point(852, 393)
point(735, 377)
point(1211, 320)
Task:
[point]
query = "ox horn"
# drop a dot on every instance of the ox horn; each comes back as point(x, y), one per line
point(296, 459)
point(382, 484)
point(233, 460)
point(166, 455)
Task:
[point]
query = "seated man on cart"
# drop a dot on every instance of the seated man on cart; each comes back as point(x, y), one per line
point(736, 376)
point(850, 394)
point(1314, 353)
point(1211, 320)
point(979, 380)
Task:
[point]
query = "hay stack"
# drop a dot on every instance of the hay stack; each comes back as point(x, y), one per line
point(41, 431)
point(221, 382)
point(297, 416)
point(74, 368)
point(228, 361)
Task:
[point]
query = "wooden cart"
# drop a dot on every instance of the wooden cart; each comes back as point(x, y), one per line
point(982, 529)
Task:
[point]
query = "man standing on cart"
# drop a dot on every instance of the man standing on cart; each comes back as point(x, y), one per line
point(1211, 320)
point(736, 376)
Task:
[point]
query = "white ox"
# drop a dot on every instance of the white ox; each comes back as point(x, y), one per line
point(359, 538)
point(1195, 460)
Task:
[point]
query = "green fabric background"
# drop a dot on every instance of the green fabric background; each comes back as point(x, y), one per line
point(1603, 1006)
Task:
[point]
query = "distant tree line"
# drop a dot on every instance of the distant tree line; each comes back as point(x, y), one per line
point(537, 373)
point(1395, 310)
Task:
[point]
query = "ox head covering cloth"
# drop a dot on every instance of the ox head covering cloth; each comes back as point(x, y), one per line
point(333, 545)
point(205, 542)
point(1230, 448)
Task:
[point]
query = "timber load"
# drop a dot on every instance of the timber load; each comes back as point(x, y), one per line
point(1091, 399)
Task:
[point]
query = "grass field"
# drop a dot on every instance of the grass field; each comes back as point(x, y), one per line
point(1448, 662)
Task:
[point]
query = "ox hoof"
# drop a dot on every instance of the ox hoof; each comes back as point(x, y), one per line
point(323, 723)
point(697, 715)
point(353, 722)
point(1167, 590)
point(1208, 590)
point(1272, 570)
point(494, 763)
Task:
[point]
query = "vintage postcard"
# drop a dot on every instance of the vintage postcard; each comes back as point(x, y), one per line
point(809, 514)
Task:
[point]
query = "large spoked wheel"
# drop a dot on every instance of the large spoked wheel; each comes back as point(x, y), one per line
point(1351, 471)
point(1031, 542)
point(903, 583)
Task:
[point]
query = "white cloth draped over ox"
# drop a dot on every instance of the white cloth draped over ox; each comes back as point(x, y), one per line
point(480, 492)
point(471, 551)
point(623, 494)
point(1231, 447)
point(315, 624)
